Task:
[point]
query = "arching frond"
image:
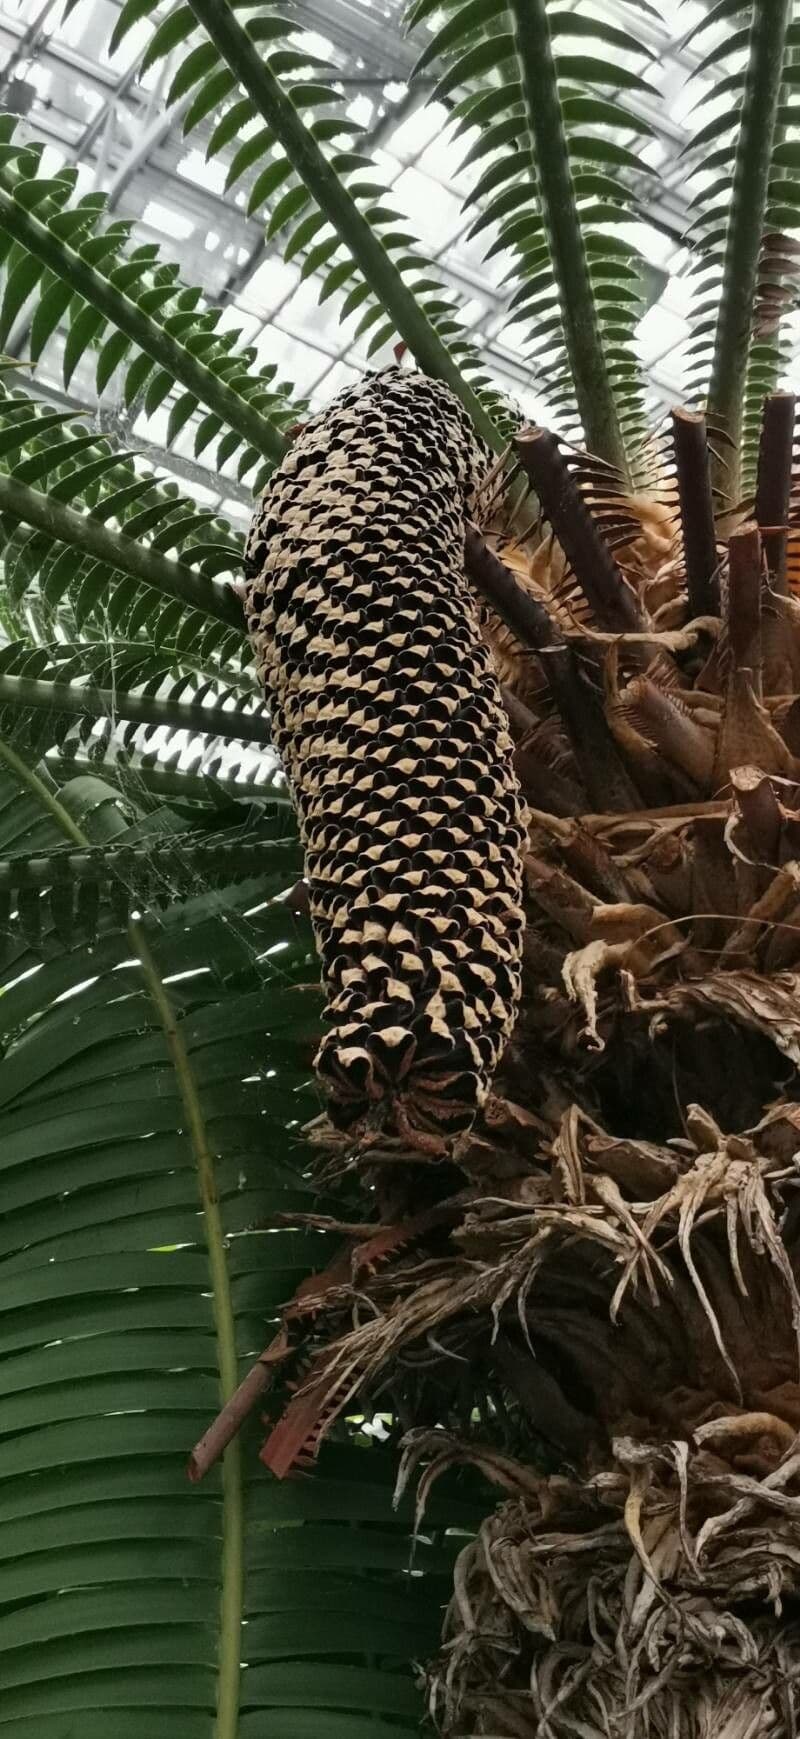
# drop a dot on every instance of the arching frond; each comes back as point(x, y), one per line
point(747, 275)
point(66, 268)
point(307, 166)
point(556, 152)
point(79, 522)
point(134, 1098)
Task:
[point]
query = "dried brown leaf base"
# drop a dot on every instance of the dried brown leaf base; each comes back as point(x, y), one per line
point(653, 1600)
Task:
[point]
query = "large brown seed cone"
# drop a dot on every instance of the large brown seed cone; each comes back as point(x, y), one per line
point(389, 722)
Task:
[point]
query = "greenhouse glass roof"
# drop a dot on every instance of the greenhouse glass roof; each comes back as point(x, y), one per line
point(93, 111)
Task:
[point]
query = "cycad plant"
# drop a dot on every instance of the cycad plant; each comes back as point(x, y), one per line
point(536, 689)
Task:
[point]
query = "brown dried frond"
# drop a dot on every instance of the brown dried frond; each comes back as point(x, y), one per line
point(767, 1005)
point(663, 722)
point(638, 1601)
point(540, 571)
point(657, 1219)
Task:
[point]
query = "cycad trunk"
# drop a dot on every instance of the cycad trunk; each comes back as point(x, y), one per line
point(645, 1586)
point(599, 1307)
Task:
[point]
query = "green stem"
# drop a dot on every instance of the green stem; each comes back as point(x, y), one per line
point(141, 709)
point(584, 345)
point(770, 23)
point(31, 781)
point(138, 560)
point(144, 331)
point(339, 207)
point(232, 1593)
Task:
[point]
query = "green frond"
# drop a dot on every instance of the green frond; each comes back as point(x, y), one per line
point(171, 668)
point(78, 523)
point(134, 1097)
point(186, 777)
point(733, 232)
point(718, 13)
point(76, 894)
point(552, 181)
point(310, 171)
point(56, 706)
point(128, 308)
